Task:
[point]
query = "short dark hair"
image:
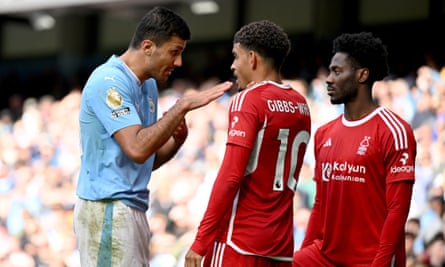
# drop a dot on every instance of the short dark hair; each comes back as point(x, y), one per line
point(365, 51)
point(158, 25)
point(267, 39)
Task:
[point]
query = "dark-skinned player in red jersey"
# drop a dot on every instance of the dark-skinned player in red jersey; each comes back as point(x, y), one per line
point(364, 167)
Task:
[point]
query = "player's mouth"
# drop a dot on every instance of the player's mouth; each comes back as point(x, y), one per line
point(169, 72)
point(330, 90)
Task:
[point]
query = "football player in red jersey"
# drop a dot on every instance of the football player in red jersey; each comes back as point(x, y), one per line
point(364, 167)
point(249, 217)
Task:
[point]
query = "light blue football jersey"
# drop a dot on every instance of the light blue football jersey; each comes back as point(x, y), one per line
point(113, 98)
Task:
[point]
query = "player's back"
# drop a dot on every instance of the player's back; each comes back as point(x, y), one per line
point(274, 121)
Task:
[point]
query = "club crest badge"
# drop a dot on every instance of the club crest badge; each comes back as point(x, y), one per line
point(114, 99)
point(151, 105)
point(364, 144)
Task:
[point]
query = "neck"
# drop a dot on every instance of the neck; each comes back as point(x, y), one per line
point(267, 75)
point(133, 60)
point(355, 111)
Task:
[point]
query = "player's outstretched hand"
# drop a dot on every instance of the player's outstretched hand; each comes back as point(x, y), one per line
point(198, 99)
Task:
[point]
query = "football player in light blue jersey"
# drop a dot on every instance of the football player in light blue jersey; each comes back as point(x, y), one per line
point(122, 141)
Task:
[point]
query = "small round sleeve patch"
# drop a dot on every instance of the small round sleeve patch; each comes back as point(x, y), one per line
point(114, 99)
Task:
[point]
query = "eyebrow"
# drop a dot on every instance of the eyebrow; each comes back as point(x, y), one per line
point(177, 47)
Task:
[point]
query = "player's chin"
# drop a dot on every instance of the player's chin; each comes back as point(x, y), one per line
point(241, 85)
point(165, 75)
point(336, 101)
point(163, 78)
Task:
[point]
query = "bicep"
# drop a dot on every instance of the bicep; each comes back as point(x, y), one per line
point(235, 161)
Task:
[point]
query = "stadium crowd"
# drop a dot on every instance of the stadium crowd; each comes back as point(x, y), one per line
point(39, 162)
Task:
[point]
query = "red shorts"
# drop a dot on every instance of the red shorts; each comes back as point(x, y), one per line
point(310, 256)
point(223, 255)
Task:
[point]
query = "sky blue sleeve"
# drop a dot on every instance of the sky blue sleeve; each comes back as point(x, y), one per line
point(113, 101)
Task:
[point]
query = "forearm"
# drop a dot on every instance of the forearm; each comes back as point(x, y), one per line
point(158, 137)
point(140, 143)
point(223, 193)
point(315, 221)
point(391, 246)
point(167, 152)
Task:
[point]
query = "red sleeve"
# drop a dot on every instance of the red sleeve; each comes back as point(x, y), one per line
point(313, 229)
point(392, 240)
point(223, 193)
point(314, 225)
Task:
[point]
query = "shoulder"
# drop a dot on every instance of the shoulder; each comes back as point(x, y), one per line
point(328, 128)
point(396, 128)
point(261, 89)
point(241, 98)
point(392, 120)
point(251, 97)
point(328, 125)
point(106, 74)
point(109, 75)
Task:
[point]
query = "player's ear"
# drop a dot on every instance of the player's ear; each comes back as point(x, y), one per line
point(147, 46)
point(363, 75)
point(253, 59)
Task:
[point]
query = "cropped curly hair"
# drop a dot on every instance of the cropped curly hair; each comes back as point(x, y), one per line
point(267, 39)
point(364, 51)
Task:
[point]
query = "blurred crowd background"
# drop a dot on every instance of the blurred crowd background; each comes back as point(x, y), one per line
point(42, 72)
point(39, 162)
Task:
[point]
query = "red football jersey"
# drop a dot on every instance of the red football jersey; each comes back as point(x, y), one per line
point(255, 217)
point(355, 161)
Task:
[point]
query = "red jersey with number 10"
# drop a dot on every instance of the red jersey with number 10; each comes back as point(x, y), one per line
point(273, 121)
